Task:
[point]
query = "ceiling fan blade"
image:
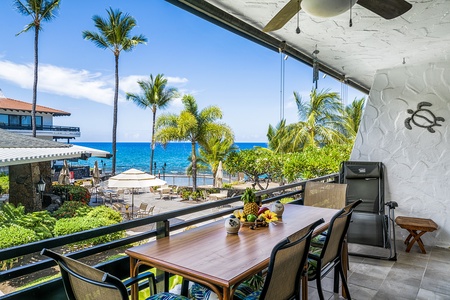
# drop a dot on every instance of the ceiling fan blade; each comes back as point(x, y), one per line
point(387, 9)
point(283, 16)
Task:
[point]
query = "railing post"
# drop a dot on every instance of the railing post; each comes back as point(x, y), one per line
point(162, 230)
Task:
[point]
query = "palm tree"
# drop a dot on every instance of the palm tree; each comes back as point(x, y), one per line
point(278, 138)
point(155, 96)
point(39, 10)
point(319, 120)
point(115, 36)
point(191, 125)
point(215, 149)
point(352, 117)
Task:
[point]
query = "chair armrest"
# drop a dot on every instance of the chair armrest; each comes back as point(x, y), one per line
point(391, 204)
point(145, 275)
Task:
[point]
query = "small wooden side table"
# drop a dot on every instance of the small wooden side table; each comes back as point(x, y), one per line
point(416, 228)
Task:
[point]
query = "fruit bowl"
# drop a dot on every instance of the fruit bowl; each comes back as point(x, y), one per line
point(254, 225)
point(247, 224)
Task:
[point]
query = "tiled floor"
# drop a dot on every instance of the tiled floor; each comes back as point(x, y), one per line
point(413, 276)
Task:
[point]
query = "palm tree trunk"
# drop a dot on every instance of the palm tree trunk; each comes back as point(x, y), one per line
point(116, 98)
point(194, 168)
point(153, 143)
point(35, 83)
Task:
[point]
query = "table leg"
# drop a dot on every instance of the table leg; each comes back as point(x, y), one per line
point(416, 238)
point(226, 294)
point(134, 287)
point(305, 284)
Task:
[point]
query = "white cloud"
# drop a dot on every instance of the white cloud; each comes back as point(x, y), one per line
point(177, 80)
point(61, 81)
point(77, 84)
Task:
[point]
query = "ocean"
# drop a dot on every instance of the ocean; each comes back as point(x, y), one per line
point(137, 155)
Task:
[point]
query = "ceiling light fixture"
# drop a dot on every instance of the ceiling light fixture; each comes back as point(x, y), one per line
point(326, 8)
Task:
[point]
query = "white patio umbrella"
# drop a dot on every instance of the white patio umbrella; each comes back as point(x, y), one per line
point(96, 179)
point(96, 174)
point(133, 179)
point(219, 176)
point(64, 174)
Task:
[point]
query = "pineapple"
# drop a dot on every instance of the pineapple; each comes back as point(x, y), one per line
point(250, 206)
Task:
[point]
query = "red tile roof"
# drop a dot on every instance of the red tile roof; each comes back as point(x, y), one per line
point(11, 104)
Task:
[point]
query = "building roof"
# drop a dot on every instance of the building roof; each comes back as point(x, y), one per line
point(16, 105)
point(17, 149)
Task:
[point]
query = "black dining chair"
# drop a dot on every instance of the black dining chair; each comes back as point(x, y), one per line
point(329, 256)
point(82, 281)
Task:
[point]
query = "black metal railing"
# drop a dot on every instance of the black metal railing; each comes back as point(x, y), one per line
point(41, 127)
point(120, 267)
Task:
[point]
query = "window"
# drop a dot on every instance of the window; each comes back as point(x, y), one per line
point(14, 120)
point(38, 121)
point(25, 120)
point(3, 119)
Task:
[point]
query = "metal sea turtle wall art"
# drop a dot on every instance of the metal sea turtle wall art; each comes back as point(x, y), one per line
point(423, 117)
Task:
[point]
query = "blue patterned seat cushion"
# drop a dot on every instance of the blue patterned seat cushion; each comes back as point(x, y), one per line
point(200, 292)
point(253, 296)
point(167, 296)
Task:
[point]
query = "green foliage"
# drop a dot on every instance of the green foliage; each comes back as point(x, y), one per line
point(315, 162)
point(286, 200)
point(105, 212)
point(4, 184)
point(248, 196)
point(41, 222)
point(76, 224)
point(72, 192)
point(15, 235)
point(193, 125)
point(71, 209)
point(255, 163)
point(9, 213)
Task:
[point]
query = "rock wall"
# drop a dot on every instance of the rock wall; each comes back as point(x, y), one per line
point(412, 141)
point(23, 181)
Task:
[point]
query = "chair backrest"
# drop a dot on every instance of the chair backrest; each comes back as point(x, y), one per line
point(365, 181)
point(143, 206)
point(327, 195)
point(286, 265)
point(337, 230)
point(85, 282)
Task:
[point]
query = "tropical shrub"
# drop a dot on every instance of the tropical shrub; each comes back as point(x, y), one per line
point(105, 212)
point(72, 193)
point(4, 183)
point(286, 200)
point(15, 235)
point(71, 209)
point(255, 163)
point(40, 222)
point(315, 162)
point(77, 224)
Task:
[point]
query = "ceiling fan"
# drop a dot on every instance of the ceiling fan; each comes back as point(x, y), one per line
point(387, 9)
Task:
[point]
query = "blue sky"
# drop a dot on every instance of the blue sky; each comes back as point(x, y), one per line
point(199, 58)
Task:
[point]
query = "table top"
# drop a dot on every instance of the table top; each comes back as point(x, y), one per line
point(416, 223)
point(209, 253)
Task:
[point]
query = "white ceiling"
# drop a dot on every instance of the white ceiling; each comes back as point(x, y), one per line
point(355, 53)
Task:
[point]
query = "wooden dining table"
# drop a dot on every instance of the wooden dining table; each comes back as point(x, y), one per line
point(221, 261)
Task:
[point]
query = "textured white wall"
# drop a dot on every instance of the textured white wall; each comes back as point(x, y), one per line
point(417, 161)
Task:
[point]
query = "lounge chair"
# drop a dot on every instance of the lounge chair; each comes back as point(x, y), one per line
point(371, 225)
